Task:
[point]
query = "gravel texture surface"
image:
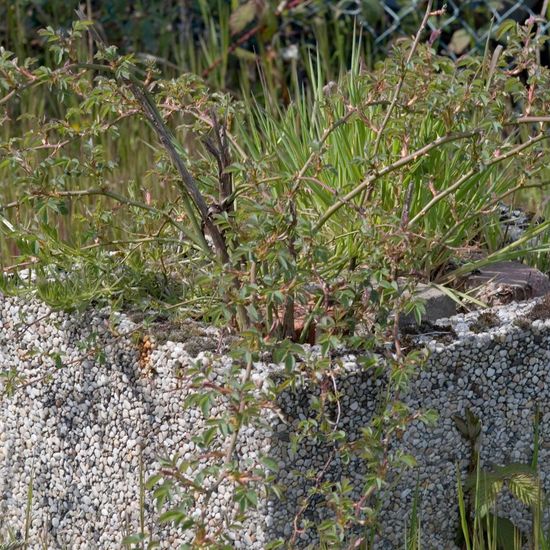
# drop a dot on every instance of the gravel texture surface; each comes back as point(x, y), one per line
point(83, 434)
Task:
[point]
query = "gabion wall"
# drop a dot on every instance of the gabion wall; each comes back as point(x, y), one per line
point(83, 436)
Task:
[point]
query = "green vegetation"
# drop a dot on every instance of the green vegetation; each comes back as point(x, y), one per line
point(152, 192)
point(481, 527)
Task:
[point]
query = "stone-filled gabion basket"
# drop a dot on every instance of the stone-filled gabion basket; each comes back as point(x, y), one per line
point(86, 435)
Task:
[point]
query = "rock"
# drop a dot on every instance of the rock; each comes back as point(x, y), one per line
point(437, 303)
point(505, 282)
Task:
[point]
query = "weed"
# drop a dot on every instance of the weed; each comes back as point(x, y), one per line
point(541, 310)
point(485, 321)
point(522, 322)
point(480, 527)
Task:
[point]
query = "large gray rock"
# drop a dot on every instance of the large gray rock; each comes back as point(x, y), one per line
point(438, 305)
point(505, 282)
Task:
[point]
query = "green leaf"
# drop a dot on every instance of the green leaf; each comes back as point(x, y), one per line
point(504, 28)
point(270, 464)
point(58, 361)
point(245, 498)
point(206, 404)
point(507, 533)
point(245, 55)
point(460, 41)
point(252, 498)
point(275, 544)
point(408, 460)
point(152, 481)
point(133, 539)
point(178, 516)
point(224, 428)
point(279, 354)
point(242, 16)
point(290, 362)
point(205, 439)
point(253, 313)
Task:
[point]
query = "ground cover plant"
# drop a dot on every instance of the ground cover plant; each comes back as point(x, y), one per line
point(285, 225)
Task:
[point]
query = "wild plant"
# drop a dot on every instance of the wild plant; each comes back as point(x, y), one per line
point(482, 526)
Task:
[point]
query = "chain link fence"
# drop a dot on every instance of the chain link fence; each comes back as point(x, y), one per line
point(465, 25)
point(180, 32)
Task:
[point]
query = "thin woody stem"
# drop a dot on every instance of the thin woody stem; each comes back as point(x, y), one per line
point(397, 90)
point(188, 186)
point(473, 172)
point(115, 196)
point(391, 168)
point(232, 445)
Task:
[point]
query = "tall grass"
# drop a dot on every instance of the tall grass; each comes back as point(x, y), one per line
point(482, 525)
point(401, 168)
point(322, 145)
